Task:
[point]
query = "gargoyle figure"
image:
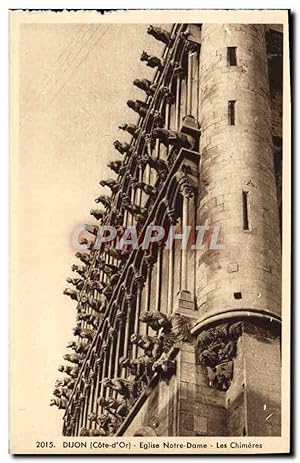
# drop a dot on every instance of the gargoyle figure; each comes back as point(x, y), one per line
point(94, 418)
point(133, 208)
point(217, 353)
point(123, 148)
point(91, 319)
point(117, 167)
point(117, 217)
point(138, 106)
point(171, 138)
point(95, 274)
point(97, 213)
point(74, 358)
point(137, 368)
point(100, 422)
point(180, 328)
point(151, 345)
point(155, 163)
point(82, 348)
point(72, 345)
point(81, 308)
point(66, 381)
point(97, 286)
point(87, 285)
point(110, 183)
point(159, 34)
point(145, 187)
point(117, 254)
point(218, 346)
point(133, 129)
point(114, 424)
point(81, 270)
point(151, 61)
point(114, 406)
point(62, 392)
point(206, 337)
point(156, 320)
point(61, 402)
point(145, 85)
point(108, 423)
point(71, 371)
point(83, 333)
point(79, 348)
point(105, 200)
point(165, 367)
point(220, 376)
point(158, 119)
point(84, 257)
point(109, 269)
point(208, 358)
point(72, 293)
point(94, 303)
point(84, 432)
point(127, 388)
point(235, 330)
point(77, 282)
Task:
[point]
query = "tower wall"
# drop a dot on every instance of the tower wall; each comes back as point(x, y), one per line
point(219, 372)
point(184, 406)
point(253, 401)
point(235, 159)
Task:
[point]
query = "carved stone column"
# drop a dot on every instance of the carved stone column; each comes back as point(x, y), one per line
point(139, 282)
point(130, 303)
point(150, 261)
point(158, 276)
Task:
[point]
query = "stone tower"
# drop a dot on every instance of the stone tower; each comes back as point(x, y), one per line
point(238, 192)
point(186, 342)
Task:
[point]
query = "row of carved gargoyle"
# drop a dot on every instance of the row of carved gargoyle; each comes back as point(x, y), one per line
point(90, 309)
point(169, 138)
point(217, 348)
point(156, 358)
point(93, 295)
point(141, 108)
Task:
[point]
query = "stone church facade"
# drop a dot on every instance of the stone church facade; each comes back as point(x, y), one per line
point(183, 342)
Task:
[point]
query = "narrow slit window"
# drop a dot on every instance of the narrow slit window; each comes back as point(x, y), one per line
point(245, 211)
point(231, 56)
point(231, 112)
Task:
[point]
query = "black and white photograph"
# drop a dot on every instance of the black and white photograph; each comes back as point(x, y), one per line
point(150, 232)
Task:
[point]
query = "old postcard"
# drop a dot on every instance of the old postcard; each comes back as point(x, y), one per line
point(150, 232)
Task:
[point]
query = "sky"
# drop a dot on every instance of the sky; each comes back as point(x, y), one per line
point(74, 81)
